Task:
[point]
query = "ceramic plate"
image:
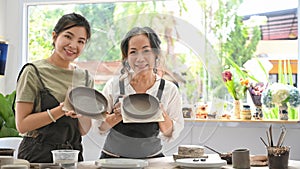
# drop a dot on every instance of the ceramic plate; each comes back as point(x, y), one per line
point(87, 101)
point(201, 162)
point(140, 106)
point(122, 163)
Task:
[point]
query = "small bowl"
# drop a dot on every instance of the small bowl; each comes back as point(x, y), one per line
point(87, 101)
point(140, 105)
point(7, 151)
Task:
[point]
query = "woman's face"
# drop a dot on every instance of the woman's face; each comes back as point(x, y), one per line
point(140, 54)
point(70, 43)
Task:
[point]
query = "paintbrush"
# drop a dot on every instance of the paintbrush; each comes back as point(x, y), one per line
point(271, 135)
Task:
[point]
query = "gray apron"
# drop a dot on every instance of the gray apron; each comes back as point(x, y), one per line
point(134, 140)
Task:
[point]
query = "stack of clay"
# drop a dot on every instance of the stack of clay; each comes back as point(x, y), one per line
point(189, 151)
point(258, 160)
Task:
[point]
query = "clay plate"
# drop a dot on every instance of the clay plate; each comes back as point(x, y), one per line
point(140, 106)
point(87, 101)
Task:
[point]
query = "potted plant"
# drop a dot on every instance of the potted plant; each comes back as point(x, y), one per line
point(7, 116)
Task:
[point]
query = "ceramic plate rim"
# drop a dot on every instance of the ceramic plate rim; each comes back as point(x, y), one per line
point(216, 163)
point(126, 100)
point(139, 163)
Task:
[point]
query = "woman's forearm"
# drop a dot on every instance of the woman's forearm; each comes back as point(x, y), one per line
point(166, 126)
point(85, 124)
point(110, 121)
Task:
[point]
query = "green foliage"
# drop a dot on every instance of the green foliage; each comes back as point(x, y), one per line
point(106, 24)
point(40, 32)
point(7, 117)
point(193, 78)
point(103, 44)
point(237, 46)
point(235, 43)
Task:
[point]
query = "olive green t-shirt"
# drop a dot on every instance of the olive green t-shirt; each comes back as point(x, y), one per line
point(57, 80)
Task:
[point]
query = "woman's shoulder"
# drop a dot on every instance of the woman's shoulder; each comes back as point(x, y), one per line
point(30, 66)
point(39, 63)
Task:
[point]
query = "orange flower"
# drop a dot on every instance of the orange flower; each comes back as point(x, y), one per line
point(244, 82)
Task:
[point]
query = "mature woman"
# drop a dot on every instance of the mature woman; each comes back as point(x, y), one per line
point(140, 57)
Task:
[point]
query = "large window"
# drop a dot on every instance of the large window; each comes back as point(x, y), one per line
point(181, 27)
point(196, 37)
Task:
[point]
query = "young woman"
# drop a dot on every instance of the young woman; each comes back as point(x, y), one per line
point(42, 121)
point(140, 57)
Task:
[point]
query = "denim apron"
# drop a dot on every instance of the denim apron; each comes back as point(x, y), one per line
point(63, 134)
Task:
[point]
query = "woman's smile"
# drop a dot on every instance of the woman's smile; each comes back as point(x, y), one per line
point(142, 66)
point(69, 52)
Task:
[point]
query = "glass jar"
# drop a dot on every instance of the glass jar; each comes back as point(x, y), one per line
point(246, 112)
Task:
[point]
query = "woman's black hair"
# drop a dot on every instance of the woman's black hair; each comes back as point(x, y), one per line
point(71, 20)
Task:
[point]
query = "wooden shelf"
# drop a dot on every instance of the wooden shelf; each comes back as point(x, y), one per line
point(243, 121)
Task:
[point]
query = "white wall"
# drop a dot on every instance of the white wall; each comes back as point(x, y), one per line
point(2, 20)
point(222, 136)
point(227, 136)
point(11, 29)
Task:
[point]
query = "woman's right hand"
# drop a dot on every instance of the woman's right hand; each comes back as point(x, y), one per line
point(115, 116)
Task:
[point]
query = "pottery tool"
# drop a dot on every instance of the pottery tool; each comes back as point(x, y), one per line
point(269, 141)
point(281, 137)
point(271, 135)
point(263, 141)
point(213, 150)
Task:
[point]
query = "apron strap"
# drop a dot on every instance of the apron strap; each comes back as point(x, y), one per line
point(38, 75)
point(86, 78)
point(160, 89)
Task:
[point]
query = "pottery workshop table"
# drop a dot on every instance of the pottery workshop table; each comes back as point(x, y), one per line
point(168, 163)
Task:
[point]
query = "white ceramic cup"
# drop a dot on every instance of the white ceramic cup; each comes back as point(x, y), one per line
point(4, 160)
point(241, 158)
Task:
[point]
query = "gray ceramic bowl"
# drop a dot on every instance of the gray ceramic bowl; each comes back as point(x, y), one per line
point(140, 106)
point(87, 101)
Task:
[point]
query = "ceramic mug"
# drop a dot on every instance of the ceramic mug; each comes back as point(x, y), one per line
point(241, 158)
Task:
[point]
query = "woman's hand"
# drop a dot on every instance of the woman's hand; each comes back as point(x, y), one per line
point(112, 118)
point(166, 126)
point(115, 117)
